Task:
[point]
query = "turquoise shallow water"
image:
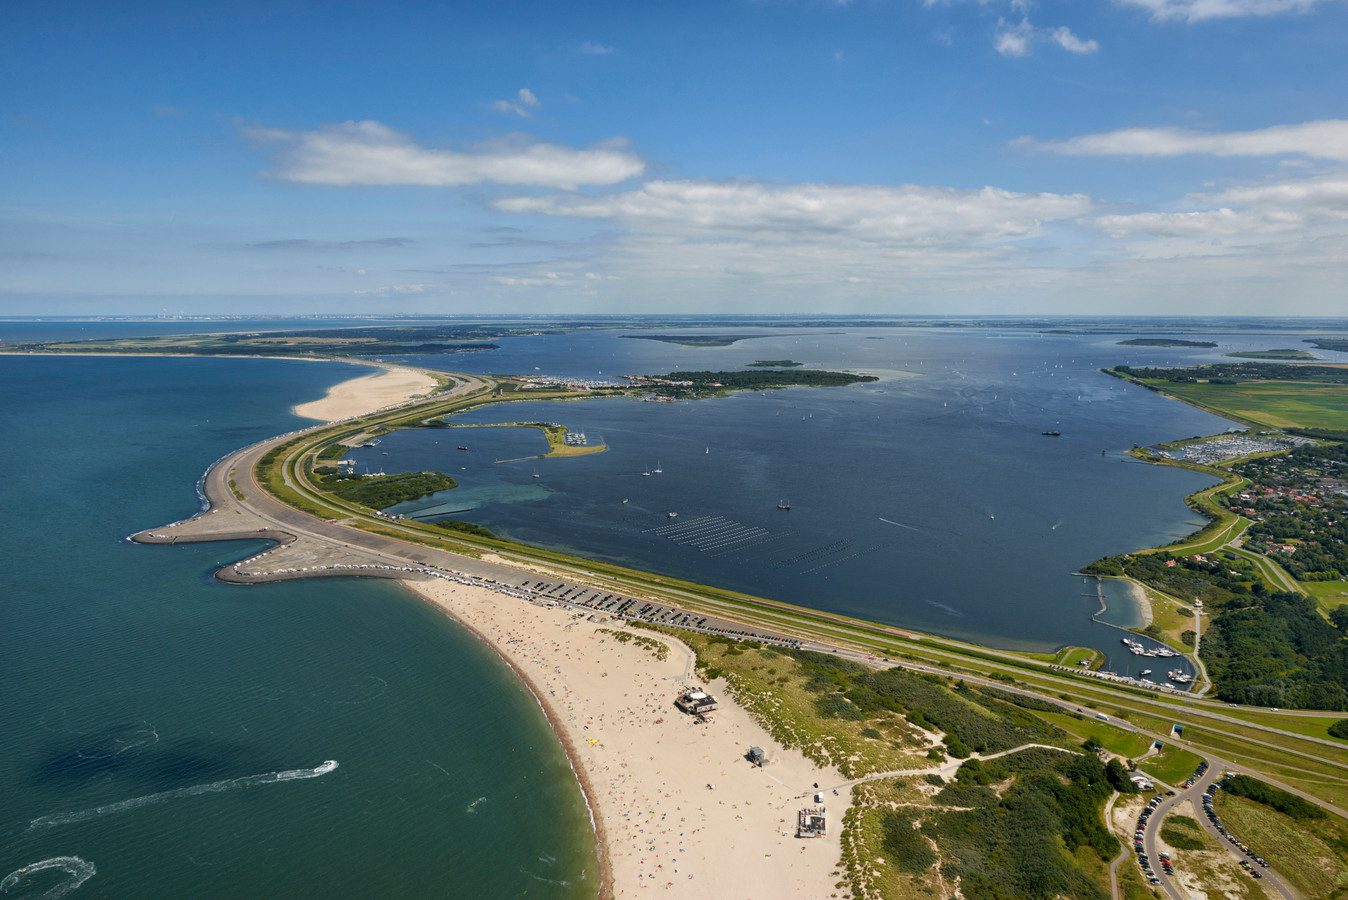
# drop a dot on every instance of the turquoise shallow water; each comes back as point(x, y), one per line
point(160, 731)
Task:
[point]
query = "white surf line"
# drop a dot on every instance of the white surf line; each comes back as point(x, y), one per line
point(78, 870)
point(177, 793)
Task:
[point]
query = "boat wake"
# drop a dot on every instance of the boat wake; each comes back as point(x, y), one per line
point(214, 787)
point(77, 871)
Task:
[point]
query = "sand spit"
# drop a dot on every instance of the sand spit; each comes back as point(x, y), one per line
point(368, 393)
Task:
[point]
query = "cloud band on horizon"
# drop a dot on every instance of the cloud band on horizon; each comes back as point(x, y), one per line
point(371, 153)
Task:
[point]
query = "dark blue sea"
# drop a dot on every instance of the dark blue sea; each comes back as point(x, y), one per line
point(160, 731)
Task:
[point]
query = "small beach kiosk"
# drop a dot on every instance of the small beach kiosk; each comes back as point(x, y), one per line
point(696, 702)
point(811, 823)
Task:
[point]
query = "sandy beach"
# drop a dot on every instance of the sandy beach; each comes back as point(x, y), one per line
point(678, 809)
point(367, 393)
point(1144, 607)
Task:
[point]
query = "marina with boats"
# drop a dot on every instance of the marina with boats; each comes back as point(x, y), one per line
point(1178, 676)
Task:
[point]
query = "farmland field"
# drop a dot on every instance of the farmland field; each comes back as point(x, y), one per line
point(1275, 404)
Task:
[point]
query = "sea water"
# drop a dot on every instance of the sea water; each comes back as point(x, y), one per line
point(166, 735)
point(930, 499)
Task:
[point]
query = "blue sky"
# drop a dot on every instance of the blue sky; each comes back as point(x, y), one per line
point(755, 156)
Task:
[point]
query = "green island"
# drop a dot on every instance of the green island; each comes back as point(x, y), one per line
point(382, 491)
point(710, 384)
point(1271, 354)
point(773, 363)
point(696, 340)
point(1165, 342)
point(1329, 344)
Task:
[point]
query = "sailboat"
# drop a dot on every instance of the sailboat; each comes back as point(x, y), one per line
point(657, 470)
point(783, 505)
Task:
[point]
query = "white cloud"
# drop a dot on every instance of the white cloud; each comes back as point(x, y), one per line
point(590, 48)
point(371, 153)
point(506, 106)
point(1327, 139)
point(741, 242)
point(399, 289)
point(1296, 207)
point(1201, 10)
point(1190, 224)
point(1014, 40)
point(909, 215)
point(308, 244)
point(1018, 40)
point(544, 279)
point(526, 98)
point(1073, 44)
point(1327, 194)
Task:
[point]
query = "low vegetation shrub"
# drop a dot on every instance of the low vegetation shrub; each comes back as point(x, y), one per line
point(1181, 832)
point(1022, 843)
point(381, 492)
point(463, 527)
point(903, 842)
point(836, 706)
point(1275, 798)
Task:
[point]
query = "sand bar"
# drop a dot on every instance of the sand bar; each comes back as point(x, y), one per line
point(1143, 601)
point(368, 393)
point(679, 810)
